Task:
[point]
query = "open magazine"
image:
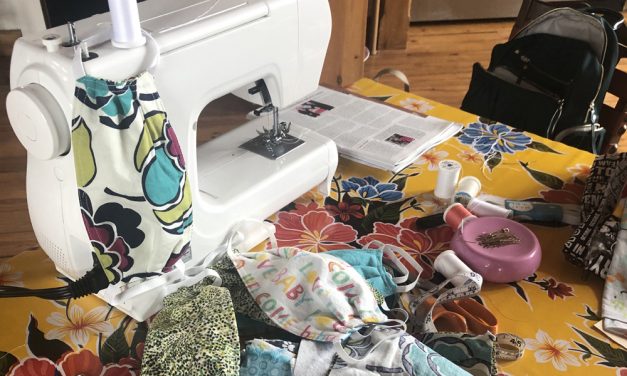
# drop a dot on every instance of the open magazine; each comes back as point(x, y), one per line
point(368, 132)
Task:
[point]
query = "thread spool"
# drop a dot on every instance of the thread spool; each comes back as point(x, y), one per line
point(448, 174)
point(485, 209)
point(450, 266)
point(457, 214)
point(468, 188)
point(127, 32)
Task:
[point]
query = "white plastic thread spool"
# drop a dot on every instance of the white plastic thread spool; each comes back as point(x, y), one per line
point(127, 32)
point(485, 209)
point(450, 266)
point(448, 174)
point(468, 188)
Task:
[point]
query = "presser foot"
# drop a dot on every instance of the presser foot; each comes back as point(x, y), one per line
point(271, 145)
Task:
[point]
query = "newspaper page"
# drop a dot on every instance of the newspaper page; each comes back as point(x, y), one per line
point(369, 132)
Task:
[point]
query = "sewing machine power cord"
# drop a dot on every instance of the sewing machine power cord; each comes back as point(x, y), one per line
point(92, 282)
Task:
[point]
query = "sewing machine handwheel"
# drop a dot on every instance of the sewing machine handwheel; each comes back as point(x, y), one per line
point(38, 121)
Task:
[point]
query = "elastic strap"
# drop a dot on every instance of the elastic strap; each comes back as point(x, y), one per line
point(392, 254)
point(393, 251)
point(509, 346)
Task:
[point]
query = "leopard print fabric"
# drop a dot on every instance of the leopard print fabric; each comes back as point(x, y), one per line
point(243, 302)
point(194, 334)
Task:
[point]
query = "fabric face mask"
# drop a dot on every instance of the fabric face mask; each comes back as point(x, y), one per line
point(314, 296)
point(368, 263)
point(133, 189)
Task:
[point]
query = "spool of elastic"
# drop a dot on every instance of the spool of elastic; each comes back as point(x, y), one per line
point(485, 209)
point(457, 214)
point(468, 188)
point(448, 174)
point(450, 266)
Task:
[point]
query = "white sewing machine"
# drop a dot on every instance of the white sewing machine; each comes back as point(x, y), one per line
point(208, 49)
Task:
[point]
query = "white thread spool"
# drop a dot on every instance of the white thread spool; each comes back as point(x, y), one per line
point(448, 174)
point(127, 32)
point(450, 266)
point(485, 209)
point(468, 188)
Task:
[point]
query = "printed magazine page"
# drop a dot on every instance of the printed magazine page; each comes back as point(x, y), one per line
point(372, 133)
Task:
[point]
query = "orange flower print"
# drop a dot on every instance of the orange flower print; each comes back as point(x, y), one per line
point(416, 105)
point(80, 325)
point(555, 351)
point(470, 157)
point(10, 278)
point(432, 158)
point(580, 171)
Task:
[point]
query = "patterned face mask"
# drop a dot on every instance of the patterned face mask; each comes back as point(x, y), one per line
point(133, 189)
point(314, 296)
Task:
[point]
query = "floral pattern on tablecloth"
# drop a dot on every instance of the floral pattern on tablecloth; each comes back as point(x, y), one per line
point(553, 309)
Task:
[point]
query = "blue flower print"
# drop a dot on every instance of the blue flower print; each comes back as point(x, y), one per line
point(370, 188)
point(486, 139)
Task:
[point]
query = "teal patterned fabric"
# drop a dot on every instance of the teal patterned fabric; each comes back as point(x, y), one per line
point(473, 353)
point(369, 263)
point(264, 359)
point(133, 188)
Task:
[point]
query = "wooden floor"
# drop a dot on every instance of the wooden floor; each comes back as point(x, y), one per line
point(438, 63)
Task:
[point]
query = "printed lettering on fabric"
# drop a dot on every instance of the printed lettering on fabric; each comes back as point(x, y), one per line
point(592, 243)
point(315, 296)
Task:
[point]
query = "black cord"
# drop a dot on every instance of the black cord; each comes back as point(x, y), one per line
point(92, 282)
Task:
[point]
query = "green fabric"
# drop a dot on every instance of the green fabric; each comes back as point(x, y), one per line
point(473, 353)
point(194, 334)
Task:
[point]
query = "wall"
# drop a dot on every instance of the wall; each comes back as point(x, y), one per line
point(25, 15)
point(8, 15)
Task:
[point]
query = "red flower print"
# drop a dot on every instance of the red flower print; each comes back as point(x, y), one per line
point(302, 209)
point(570, 193)
point(314, 230)
point(34, 367)
point(558, 289)
point(134, 363)
point(118, 370)
point(345, 211)
point(423, 246)
point(83, 362)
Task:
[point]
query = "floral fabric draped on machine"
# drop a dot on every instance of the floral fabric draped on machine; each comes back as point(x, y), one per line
point(553, 310)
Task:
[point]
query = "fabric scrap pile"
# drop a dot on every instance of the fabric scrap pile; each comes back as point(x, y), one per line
point(292, 312)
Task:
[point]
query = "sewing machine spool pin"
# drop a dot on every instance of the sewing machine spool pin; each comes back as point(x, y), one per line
point(275, 142)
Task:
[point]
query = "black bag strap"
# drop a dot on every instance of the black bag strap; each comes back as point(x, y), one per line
point(612, 17)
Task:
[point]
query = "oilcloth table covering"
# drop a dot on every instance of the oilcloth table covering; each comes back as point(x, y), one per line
point(553, 310)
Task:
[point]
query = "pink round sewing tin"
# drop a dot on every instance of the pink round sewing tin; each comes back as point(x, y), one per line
point(502, 264)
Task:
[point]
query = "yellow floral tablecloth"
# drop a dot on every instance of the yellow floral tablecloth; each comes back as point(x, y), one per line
point(553, 310)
